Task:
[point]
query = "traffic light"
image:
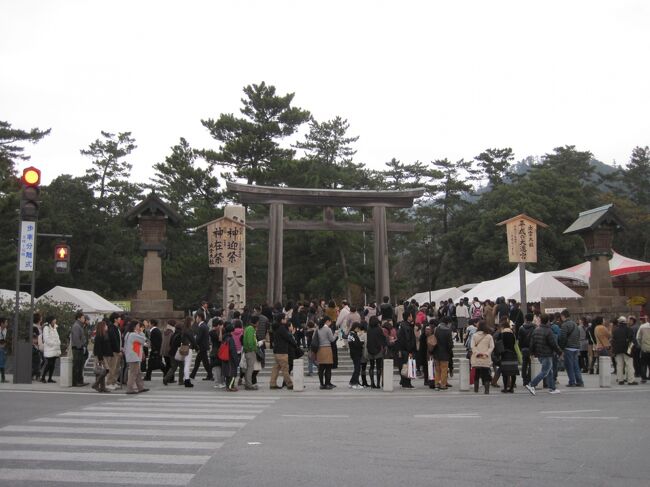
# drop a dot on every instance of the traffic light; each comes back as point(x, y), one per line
point(61, 258)
point(31, 181)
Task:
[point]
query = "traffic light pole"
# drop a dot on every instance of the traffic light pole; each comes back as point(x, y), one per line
point(22, 348)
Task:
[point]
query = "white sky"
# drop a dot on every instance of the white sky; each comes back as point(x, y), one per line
point(416, 80)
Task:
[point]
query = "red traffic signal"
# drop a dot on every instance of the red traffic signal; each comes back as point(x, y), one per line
point(31, 177)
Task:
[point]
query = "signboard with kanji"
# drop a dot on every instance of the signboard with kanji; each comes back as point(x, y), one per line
point(27, 245)
point(226, 243)
point(522, 238)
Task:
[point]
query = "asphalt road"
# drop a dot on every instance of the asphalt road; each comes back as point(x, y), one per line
point(172, 436)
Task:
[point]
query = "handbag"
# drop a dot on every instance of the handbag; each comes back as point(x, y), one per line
point(430, 369)
point(404, 372)
point(99, 370)
point(315, 345)
point(184, 350)
point(412, 369)
point(298, 353)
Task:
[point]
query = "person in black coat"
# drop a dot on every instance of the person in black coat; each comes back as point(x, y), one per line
point(203, 346)
point(229, 367)
point(376, 345)
point(101, 350)
point(406, 346)
point(155, 361)
point(442, 352)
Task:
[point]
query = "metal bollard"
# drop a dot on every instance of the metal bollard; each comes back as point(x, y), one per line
point(298, 375)
point(65, 379)
point(604, 372)
point(388, 375)
point(464, 374)
point(535, 367)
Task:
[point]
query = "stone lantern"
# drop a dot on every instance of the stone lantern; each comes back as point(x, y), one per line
point(152, 216)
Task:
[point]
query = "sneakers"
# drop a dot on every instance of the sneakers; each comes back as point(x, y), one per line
point(357, 386)
point(554, 391)
point(220, 386)
point(530, 388)
point(633, 383)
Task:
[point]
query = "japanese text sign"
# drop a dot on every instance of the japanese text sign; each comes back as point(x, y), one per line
point(226, 243)
point(522, 238)
point(27, 246)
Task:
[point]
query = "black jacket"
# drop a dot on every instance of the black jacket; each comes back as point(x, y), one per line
point(102, 347)
point(622, 336)
point(445, 348)
point(203, 337)
point(542, 343)
point(375, 340)
point(525, 334)
point(355, 345)
point(155, 338)
point(282, 340)
point(114, 337)
point(386, 311)
point(406, 338)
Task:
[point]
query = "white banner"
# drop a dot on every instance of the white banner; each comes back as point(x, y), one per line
point(27, 246)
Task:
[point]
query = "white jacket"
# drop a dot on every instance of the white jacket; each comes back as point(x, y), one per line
point(51, 342)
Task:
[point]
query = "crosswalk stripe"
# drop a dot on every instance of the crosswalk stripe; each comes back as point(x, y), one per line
point(163, 409)
point(76, 430)
point(207, 397)
point(161, 415)
point(185, 445)
point(141, 422)
point(104, 457)
point(86, 477)
point(242, 405)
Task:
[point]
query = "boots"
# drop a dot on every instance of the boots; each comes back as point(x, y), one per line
point(188, 383)
point(372, 382)
point(487, 387)
point(476, 385)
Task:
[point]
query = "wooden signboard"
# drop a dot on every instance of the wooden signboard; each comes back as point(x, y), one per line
point(226, 243)
point(522, 238)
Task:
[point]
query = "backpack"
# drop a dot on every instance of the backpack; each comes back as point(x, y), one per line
point(476, 311)
point(223, 353)
point(524, 336)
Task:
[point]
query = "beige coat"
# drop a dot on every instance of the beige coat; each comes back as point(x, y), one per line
point(482, 344)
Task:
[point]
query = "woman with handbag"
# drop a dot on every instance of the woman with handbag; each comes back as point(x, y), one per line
point(134, 340)
point(324, 339)
point(101, 349)
point(482, 347)
point(51, 347)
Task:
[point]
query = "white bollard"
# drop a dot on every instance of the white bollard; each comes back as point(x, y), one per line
point(604, 372)
point(388, 375)
point(298, 375)
point(65, 380)
point(464, 374)
point(535, 367)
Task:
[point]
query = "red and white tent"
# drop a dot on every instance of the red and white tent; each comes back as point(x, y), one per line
point(619, 265)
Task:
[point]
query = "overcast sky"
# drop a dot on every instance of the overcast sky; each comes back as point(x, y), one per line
point(416, 80)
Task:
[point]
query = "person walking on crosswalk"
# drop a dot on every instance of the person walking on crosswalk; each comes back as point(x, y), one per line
point(229, 359)
point(282, 340)
point(134, 341)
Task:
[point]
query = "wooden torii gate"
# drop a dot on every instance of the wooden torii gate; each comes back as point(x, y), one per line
point(276, 198)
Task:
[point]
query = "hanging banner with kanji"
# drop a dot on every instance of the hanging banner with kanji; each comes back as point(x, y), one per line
point(226, 243)
point(522, 238)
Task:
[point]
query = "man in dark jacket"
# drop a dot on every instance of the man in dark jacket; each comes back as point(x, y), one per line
point(155, 361)
point(406, 346)
point(543, 346)
point(442, 353)
point(282, 341)
point(570, 342)
point(203, 344)
point(524, 336)
point(79, 344)
point(386, 310)
point(622, 340)
point(114, 362)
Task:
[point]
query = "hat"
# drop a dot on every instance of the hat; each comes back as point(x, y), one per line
point(622, 319)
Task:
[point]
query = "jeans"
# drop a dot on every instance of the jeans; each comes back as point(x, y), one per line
point(547, 372)
point(525, 365)
point(572, 366)
point(357, 370)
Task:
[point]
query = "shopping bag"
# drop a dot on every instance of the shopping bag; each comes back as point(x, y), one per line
point(472, 375)
point(412, 369)
point(430, 371)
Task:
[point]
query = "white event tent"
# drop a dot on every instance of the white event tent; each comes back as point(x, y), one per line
point(10, 295)
point(89, 302)
point(538, 286)
point(438, 295)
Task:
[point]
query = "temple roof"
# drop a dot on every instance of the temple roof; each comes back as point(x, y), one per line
point(152, 205)
point(594, 218)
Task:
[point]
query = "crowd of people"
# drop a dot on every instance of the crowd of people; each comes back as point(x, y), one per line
point(498, 338)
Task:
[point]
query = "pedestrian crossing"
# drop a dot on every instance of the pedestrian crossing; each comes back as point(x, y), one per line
point(152, 439)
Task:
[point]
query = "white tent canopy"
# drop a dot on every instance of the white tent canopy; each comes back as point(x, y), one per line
point(10, 295)
point(538, 286)
point(438, 295)
point(89, 302)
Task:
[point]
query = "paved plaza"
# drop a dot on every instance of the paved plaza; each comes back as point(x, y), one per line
point(203, 437)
